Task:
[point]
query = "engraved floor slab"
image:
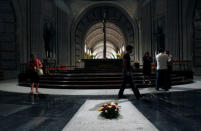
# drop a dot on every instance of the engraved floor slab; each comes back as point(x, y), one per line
point(88, 119)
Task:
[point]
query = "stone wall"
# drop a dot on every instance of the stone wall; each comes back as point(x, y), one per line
point(176, 19)
point(197, 38)
point(8, 52)
point(22, 25)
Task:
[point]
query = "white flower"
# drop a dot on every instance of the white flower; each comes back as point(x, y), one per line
point(112, 103)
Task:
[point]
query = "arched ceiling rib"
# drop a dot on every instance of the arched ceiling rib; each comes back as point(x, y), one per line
point(109, 37)
point(109, 25)
point(94, 39)
point(109, 54)
point(109, 50)
point(100, 44)
point(108, 32)
point(100, 31)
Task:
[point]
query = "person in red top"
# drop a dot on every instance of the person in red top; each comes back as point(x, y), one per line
point(34, 66)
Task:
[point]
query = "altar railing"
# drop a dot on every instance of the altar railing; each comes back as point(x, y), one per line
point(47, 68)
point(178, 65)
point(182, 65)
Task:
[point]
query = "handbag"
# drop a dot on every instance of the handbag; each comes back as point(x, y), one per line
point(40, 72)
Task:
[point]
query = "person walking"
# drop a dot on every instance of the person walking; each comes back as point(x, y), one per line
point(147, 60)
point(128, 74)
point(162, 70)
point(35, 66)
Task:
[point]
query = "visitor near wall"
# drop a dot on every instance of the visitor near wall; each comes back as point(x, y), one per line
point(162, 70)
point(147, 60)
point(35, 69)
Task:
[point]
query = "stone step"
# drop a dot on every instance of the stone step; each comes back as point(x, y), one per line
point(88, 74)
point(94, 71)
point(87, 82)
point(100, 77)
point(97, 79)
point(104, 79)
point(98, 82)
point(104, 86)
point(93, 74)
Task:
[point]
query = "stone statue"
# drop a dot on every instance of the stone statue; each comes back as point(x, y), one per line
point(49, 39)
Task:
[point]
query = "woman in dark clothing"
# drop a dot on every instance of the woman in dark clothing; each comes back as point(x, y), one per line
point(147, 60)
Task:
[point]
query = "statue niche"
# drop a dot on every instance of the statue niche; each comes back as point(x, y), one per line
point(49, 40)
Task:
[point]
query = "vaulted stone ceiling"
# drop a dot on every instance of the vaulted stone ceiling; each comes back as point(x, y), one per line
point(77, 6)
point(94, 40)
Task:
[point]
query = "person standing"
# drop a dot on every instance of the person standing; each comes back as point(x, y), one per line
point(170, 64)
point(34, 65)
point(128, 74)
point(147, 60)
point(162, 70)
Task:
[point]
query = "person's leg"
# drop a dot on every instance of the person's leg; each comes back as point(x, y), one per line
point(31, 76)
point(32, 88)
point(149, 76)
point(122, 88)
point(166, 80)
point(160, 79)
point(37, 85)
point(123, 85)
point(144, 75)
point(169, 76)
point(37, 82)
point(144, 79)
point(157, 79)
point(133, 86)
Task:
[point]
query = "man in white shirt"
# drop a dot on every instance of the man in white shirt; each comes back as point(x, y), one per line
point(162, 70)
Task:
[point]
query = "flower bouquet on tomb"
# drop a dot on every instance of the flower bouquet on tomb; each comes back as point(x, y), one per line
point(109, 110)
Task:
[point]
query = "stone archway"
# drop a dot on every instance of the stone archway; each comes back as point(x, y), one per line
point(93, 15)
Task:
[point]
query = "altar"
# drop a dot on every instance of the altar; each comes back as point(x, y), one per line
point(102, 63)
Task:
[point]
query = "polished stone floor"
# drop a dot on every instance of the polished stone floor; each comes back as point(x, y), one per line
point(175, 110)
